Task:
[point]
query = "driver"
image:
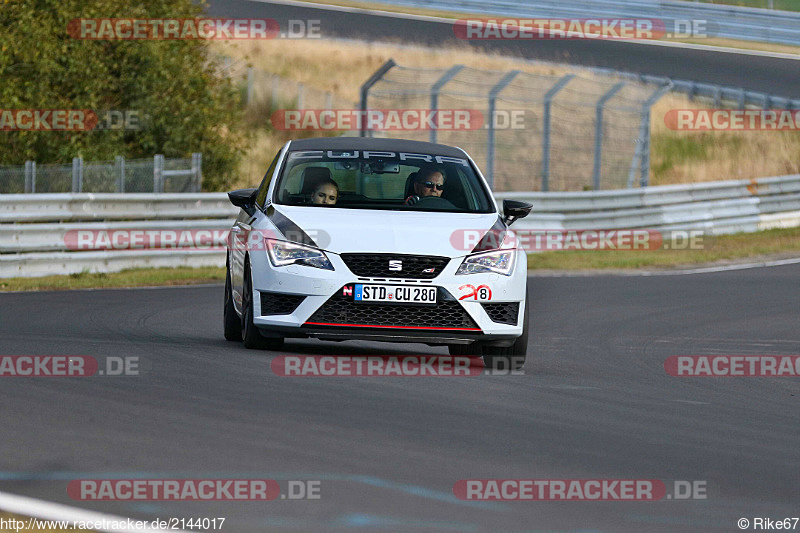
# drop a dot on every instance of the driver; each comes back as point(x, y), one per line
point(429, 182)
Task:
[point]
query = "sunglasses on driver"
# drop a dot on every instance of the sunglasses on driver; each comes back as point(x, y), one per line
point(431, 185)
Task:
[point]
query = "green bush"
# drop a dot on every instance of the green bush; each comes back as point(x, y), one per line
point(190, 108)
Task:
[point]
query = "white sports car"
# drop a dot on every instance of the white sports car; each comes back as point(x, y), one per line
point(377, 239)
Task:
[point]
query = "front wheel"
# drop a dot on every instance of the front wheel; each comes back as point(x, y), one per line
point(232, 322)
point(251, 337)
point(511, 357)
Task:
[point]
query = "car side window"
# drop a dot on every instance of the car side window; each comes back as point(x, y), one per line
point(262, 189)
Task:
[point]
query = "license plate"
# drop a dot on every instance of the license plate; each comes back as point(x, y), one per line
point(395, 294)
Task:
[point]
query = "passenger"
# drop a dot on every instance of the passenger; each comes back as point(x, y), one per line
point(325, 193)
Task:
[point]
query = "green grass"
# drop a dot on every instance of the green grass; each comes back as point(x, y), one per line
point(722, 248)
point(672, 148)
point(144, 277)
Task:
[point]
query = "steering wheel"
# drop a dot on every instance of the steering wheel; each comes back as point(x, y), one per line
point(430, 202)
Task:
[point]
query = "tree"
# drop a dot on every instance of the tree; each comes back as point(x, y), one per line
point(177, 84)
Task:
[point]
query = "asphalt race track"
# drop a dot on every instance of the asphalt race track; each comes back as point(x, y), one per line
point(594, 403)
point(773, 75)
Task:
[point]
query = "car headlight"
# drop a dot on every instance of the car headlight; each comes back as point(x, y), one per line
point(283, 253)
point(499, 262)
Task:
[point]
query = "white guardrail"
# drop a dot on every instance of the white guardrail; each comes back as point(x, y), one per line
point(35, 229)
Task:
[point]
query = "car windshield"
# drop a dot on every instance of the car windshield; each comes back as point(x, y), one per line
point(362, 179)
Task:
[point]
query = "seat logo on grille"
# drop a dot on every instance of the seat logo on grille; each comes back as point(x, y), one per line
point(395, 265)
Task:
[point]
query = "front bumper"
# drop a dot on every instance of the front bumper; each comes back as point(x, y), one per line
point(468, 306)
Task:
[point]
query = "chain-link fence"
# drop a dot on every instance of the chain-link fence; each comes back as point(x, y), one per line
point(119, 175)
point(539, 132)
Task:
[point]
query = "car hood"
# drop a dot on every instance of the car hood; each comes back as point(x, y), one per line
point(399, 232)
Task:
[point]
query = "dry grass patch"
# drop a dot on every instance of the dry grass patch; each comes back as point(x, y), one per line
point(698, 156)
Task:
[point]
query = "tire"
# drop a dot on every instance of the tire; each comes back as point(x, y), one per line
point(250, 335)
point(511, 357)
point(232, 322)
point(468, 350)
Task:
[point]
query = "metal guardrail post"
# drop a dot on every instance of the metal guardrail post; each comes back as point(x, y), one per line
point(598, 133)
point(502, 84)
point(30, 177)
point(197, 171)
point(436, 87)
point(77, 174)
point(158, 173)
point(119, 170)
point(380, 73)
point(546, 128)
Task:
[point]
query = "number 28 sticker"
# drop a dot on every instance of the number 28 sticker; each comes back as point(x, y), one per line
point(481, 292)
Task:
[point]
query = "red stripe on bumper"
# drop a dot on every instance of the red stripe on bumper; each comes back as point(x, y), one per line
point(389, 327)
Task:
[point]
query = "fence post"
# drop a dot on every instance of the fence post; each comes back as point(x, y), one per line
point(77, 174)
point(490, 140)
point(717, 97)
point(158, 173)
point(119, 170)
point(436, 87)
point(249, 85)
point(642, 152)
point(742, 98)
point(197, 171)
point(30, 177)
point(274, 101)
point(381, 72)
point(598, 133)
point(328, 100)
point(548, 104)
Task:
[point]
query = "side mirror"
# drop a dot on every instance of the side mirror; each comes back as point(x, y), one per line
point(514, 209)
point(244, 198)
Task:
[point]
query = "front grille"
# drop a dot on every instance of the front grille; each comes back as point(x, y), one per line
point(275, 303)
point(342, 310)
point(377, 265)
point(505, 313)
